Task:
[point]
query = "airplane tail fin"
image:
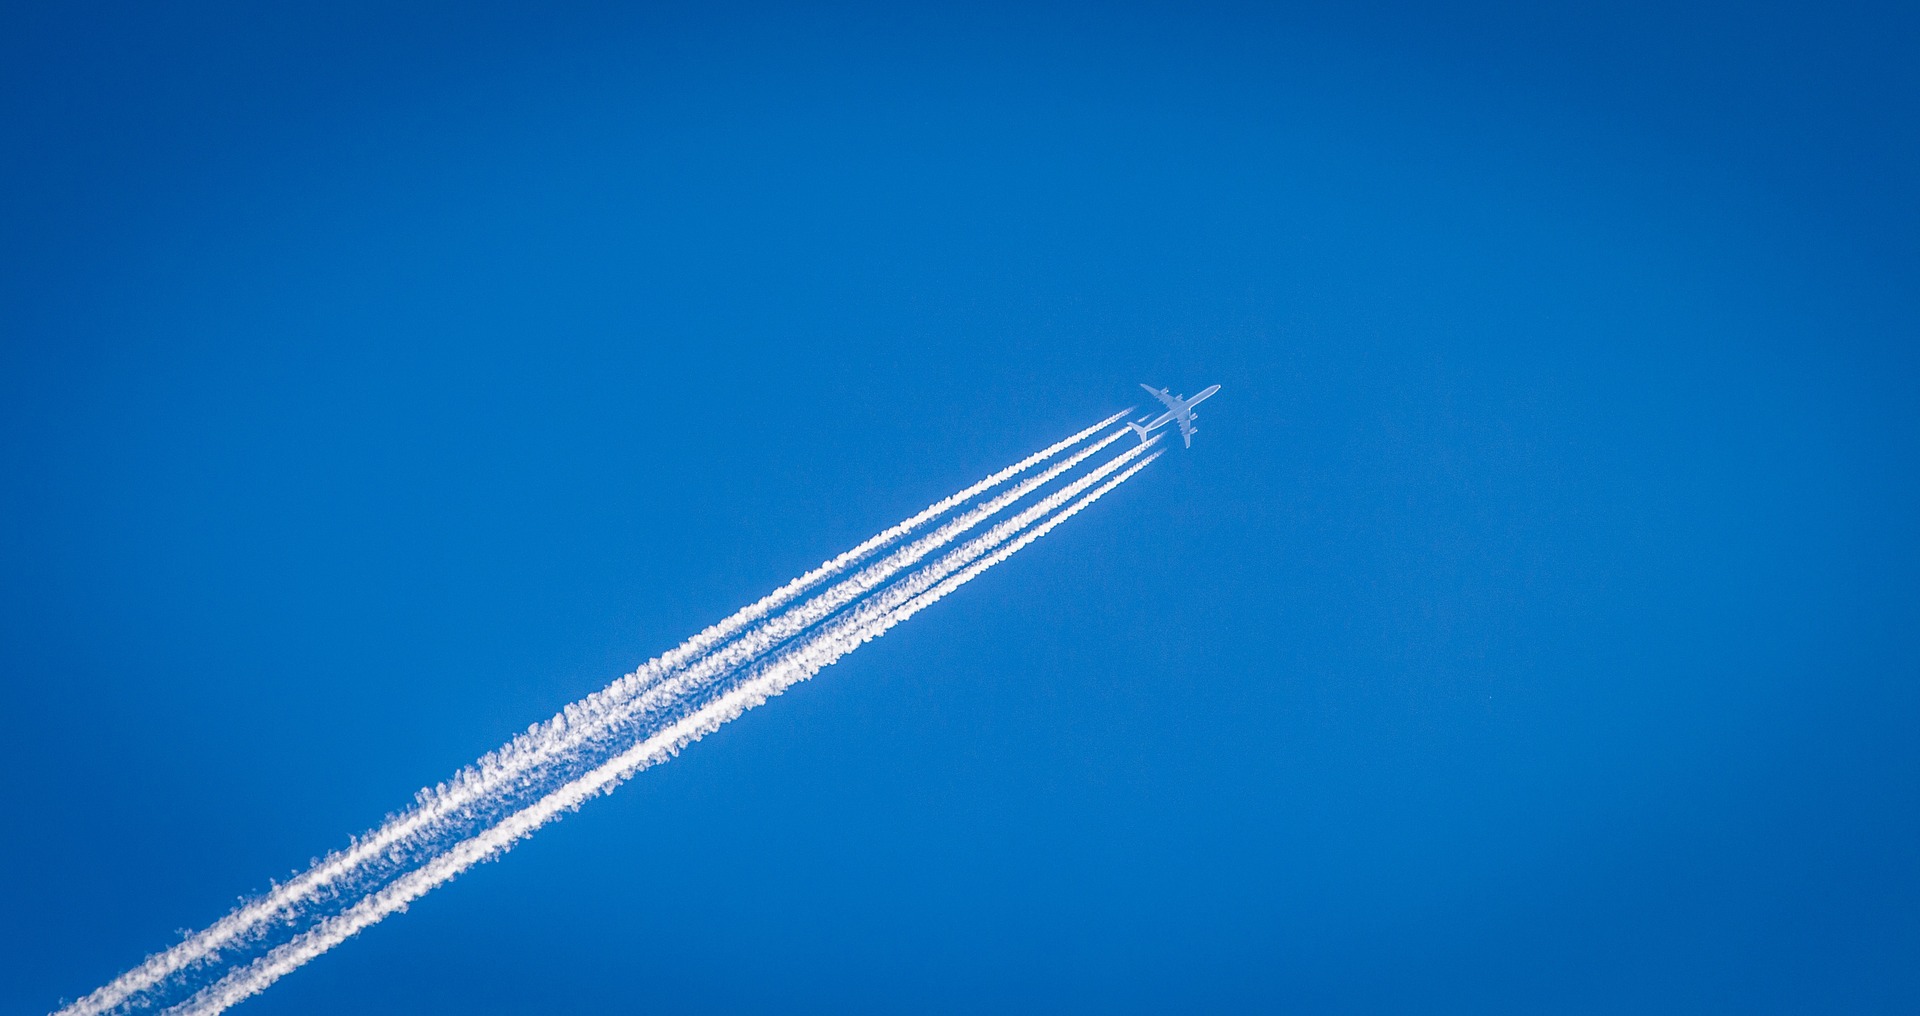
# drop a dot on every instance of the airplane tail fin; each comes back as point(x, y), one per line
point(1142, 431)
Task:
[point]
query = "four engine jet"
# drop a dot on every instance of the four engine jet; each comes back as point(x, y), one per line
point(1179, 410)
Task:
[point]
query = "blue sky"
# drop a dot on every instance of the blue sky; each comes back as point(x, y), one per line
point(1531, 627)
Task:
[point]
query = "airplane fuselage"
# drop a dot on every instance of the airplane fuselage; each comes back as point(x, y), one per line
point(1179, 409)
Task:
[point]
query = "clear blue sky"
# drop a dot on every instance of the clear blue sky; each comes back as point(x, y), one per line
point(1531, 628)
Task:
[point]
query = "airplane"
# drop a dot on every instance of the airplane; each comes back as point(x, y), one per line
point(1179, 410)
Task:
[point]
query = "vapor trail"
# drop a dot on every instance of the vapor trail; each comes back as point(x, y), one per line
point(869, 621)
point(448, 801)
point(760, 640)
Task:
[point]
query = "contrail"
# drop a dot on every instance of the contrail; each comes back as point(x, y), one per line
point(445, 809)
point(596, 717)
point(572, 746)
point(792, 623)
point(843, 636)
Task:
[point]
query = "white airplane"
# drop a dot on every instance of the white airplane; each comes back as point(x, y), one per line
point(1179, 410)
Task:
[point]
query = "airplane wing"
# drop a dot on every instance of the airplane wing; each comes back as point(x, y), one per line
point(1161, 393)
point(1186, 428)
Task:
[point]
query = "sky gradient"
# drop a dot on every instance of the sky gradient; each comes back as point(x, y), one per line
point(1531, 626)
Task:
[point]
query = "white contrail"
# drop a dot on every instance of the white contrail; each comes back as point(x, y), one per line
point(610, 717)
point(800, 663)
point(766, 637)
point(506, 764)
point(598, 716)
point(875, 609)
